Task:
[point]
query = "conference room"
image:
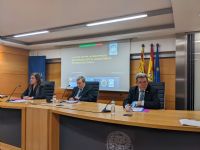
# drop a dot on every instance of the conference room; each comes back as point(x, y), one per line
point(99, 75)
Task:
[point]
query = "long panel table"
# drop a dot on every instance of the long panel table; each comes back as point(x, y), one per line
point(83, 126)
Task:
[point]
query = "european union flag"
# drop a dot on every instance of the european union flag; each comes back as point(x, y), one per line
point(157, 65)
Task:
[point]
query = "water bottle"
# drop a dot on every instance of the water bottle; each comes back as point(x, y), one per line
point(112, 107)
point(54, 100)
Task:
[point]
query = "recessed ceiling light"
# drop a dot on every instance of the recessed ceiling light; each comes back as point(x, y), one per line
point(30, 34)
point(117, 20)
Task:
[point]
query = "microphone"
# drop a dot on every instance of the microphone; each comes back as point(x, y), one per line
point(105, 110)
point(65, 91)
point(13, 92)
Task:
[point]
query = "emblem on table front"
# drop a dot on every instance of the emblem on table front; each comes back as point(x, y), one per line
point(118, 140)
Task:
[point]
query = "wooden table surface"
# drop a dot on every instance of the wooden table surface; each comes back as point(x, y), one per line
point(159, 119)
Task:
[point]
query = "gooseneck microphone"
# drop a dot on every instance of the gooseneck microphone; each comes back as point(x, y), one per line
point(65, 91)
point(105, 110)
point(13, 92)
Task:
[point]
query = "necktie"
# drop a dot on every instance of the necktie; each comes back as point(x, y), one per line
point(141, 97)
point(79, 92)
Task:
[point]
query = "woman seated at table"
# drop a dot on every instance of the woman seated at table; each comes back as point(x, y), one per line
point(34, 90)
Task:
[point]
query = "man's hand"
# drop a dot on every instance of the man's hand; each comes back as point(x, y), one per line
point(128, 108)
point(71, 98)
point(75, 98)
point(139, 104)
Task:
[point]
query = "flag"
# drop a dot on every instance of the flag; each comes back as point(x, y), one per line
point(141, 65)
point(157, 65)
point(150, 72)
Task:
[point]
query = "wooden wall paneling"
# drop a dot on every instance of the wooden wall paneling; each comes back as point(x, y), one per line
point(10, 81)
point(14, 69)
point(54, 73)
point(13, 50)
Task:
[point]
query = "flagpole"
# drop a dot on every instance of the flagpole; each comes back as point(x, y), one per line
point(157, 65)
point(150, 72)
point(142, 63)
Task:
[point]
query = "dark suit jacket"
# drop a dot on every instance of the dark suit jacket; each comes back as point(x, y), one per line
point(151, 99)
point(88, 94)
point(39, 94)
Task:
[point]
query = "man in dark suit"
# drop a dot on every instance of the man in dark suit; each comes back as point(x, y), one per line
point(142, 95)
point(83, 92)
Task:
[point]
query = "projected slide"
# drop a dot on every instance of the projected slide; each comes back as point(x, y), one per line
point(108, 64)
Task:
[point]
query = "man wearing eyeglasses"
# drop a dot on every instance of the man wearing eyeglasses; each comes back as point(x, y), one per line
point(142, 95)
point(83, 92)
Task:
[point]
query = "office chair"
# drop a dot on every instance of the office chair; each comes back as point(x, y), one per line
point(160, 86)
point(95, 86)
point(48, 89)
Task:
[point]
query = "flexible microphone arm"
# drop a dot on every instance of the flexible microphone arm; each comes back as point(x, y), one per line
point(105, 108)
point(12, 93)
point(65, 91)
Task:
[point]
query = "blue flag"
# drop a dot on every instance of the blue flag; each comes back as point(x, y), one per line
point(157, 66)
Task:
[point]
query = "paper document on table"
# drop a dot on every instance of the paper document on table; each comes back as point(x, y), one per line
point(190, 122)
point(70, 101)
point(18, 101)
point(138, 109)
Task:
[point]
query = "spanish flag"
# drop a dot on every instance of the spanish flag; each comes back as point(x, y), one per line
point(150, 73)
point(141, 65)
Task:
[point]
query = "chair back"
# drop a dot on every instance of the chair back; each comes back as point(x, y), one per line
point(48, 89)
point(160, 86)
point(95, 87)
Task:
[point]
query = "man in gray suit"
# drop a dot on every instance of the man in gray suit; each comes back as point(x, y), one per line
point(83, 92)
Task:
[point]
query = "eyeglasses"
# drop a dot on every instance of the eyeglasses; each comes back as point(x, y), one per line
point(142, 82)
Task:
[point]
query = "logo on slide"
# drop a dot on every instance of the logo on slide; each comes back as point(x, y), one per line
point(111, 83)
point(103, 83)
point(118, 140)
point(113, 49)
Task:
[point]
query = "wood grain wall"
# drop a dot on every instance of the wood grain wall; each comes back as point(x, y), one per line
point(167, 69)
point(13, 69)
